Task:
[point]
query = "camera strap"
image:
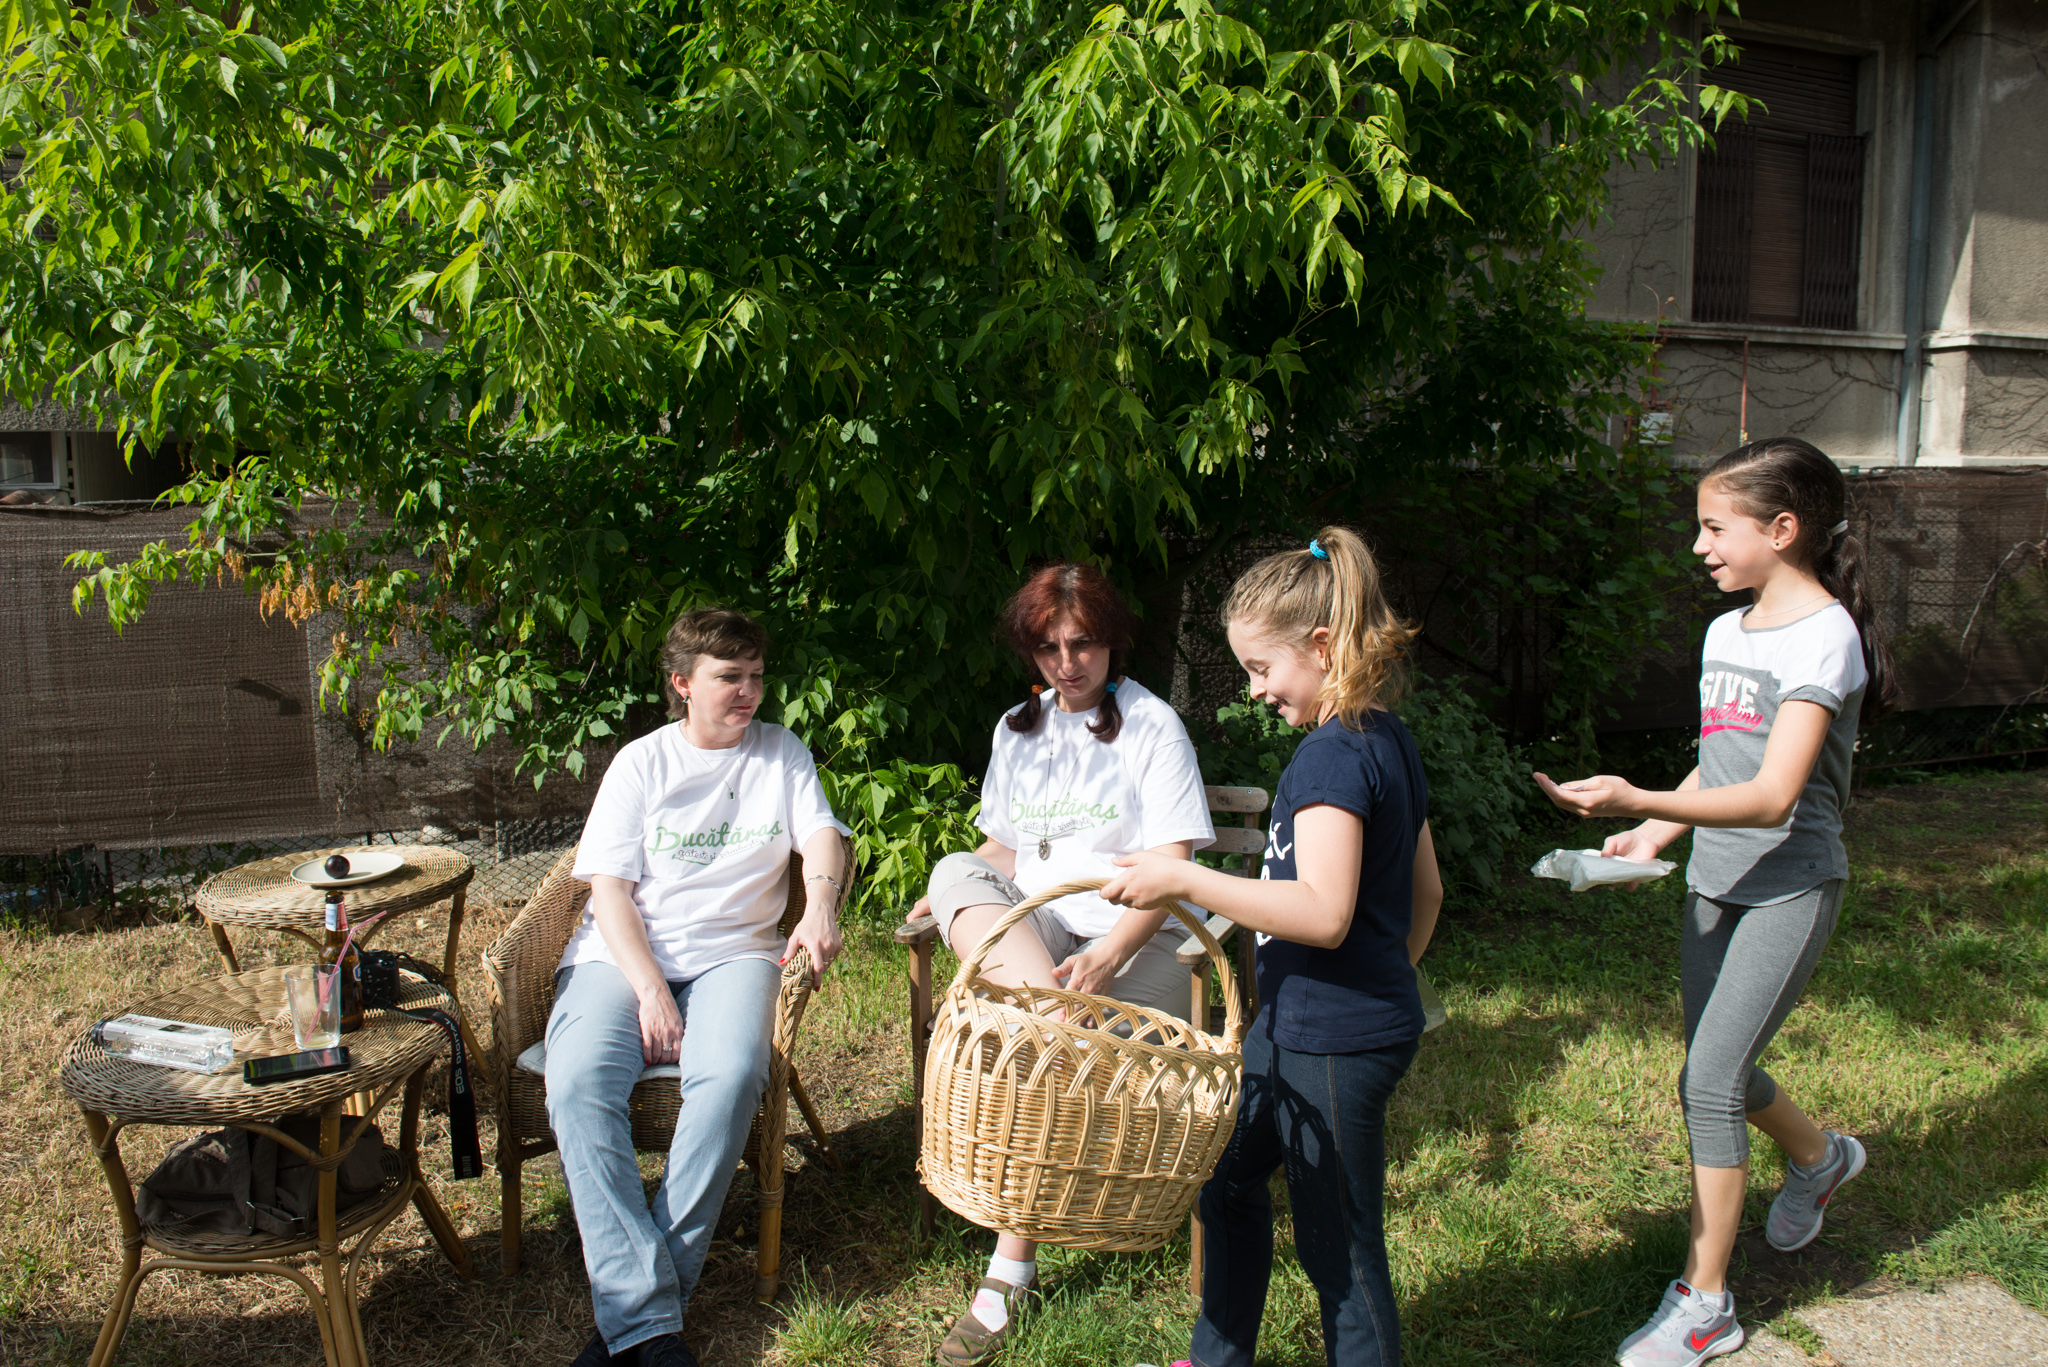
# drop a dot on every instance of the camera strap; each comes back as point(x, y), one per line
point(465, 1156)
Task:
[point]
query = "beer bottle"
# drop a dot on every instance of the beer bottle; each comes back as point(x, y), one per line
point(350, 980)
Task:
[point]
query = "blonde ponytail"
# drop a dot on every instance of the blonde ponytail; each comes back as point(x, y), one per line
point(1335, 584)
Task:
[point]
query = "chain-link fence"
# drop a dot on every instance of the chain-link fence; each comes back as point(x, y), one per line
point(1956, 562)
point(79, 884)
point(140, 764)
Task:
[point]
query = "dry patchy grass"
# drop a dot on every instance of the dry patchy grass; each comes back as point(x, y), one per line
point(1536, 1195)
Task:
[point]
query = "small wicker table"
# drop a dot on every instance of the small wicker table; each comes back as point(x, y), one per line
point(263, 896)
point(390, 1054)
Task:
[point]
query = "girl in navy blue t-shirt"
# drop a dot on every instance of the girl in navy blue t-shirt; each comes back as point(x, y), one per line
point(1344, 906)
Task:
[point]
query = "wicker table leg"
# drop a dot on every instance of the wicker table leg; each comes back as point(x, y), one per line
point(106, 1143)
point(423, 1198)
point(457, 905)
point(348, 1352)
point(224, 947)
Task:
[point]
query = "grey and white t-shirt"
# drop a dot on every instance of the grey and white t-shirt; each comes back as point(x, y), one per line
point(1745, 677)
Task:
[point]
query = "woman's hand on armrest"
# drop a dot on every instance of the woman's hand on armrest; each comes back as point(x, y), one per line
point(824, 885)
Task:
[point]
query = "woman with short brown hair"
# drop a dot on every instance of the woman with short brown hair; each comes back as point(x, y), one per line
point(677, 962)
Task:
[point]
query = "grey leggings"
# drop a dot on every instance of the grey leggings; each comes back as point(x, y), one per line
point(1740, 970)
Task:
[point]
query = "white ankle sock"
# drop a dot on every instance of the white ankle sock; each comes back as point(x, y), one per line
point(992, 1309)
point(1017, 1273)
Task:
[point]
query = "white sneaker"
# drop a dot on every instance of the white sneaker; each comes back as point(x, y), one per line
point(1803, 1201)
point(1686, 1330)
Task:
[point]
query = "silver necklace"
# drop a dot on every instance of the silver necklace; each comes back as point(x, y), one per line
point(1767, 616)
point(1073, 771)
point(731, 790)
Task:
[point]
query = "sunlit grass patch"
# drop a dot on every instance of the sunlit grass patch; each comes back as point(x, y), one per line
point(2009, 1241)
point(821, 1329)
point(1537, 1183)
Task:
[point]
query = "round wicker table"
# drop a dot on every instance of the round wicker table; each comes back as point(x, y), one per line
point(263, 896)
point(389, 1056)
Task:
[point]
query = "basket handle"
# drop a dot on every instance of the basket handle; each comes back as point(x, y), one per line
point(1233, 1016)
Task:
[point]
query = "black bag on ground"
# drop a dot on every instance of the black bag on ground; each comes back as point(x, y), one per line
point(235, 1182)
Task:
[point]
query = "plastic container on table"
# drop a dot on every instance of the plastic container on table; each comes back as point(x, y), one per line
point(167, 1043)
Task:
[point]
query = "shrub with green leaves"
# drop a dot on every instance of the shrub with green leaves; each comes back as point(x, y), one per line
point(1477, 785)
point(905, 817)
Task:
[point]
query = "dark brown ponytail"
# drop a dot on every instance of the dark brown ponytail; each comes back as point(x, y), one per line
point(1787, 475)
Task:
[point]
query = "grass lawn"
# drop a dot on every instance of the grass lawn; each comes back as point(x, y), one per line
point(1537, 1193)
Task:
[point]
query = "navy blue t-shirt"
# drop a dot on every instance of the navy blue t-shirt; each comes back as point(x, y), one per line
point(1362, 994)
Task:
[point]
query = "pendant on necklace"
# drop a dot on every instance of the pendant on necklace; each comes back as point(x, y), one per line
point(1044, 848)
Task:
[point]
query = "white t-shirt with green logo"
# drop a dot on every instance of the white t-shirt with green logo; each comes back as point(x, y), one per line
point(1090, 802)
point(705, 837)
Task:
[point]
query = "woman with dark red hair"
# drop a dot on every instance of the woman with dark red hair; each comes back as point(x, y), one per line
point(1092, 766)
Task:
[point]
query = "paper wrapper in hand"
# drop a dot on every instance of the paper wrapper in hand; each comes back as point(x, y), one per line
point(1590, 869)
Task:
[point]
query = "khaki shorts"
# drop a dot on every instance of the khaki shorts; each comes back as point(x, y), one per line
point(1153, 977)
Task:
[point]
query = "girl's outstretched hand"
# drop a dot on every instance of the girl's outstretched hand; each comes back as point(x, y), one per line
point(1600, 795)
point(1148, 881)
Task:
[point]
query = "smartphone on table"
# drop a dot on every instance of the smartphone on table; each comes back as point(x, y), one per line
point(286, 1067)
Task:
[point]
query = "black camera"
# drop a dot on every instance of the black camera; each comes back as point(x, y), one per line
point(380, 975)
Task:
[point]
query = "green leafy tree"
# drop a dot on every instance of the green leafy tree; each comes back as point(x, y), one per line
point(505, 330)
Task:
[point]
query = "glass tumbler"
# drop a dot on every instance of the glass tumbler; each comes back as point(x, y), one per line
point(314, 995)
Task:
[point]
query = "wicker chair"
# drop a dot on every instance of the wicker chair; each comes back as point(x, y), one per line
point(519, 972)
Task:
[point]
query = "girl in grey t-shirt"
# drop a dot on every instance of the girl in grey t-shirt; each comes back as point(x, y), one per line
point(1782, 684)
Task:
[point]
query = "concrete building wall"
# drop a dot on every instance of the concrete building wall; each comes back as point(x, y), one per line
point(1985, 369)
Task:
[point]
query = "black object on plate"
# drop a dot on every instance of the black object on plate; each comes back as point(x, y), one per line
point(336, 866)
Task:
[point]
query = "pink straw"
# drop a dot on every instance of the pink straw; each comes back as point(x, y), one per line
point(346, 941)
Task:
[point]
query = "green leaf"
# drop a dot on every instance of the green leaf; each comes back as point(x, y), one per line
point(458, 278)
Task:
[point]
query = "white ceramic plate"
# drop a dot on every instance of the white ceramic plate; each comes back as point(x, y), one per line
point(364, 866)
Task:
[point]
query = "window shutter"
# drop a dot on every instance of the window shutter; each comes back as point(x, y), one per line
point(1722, 228)
point(1779, 202)
point(1834, 222)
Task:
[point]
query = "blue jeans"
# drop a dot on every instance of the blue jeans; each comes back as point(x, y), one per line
point(644, 1263)
point(1322, 1116)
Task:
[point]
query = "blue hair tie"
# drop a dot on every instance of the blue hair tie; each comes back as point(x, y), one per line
point(1110, 686)
point(1315, 548)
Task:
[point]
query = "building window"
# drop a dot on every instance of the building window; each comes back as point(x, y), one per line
point(28, 460)
point(1777, 222)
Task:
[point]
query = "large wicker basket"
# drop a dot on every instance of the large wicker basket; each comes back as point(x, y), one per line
point(1092, 1132)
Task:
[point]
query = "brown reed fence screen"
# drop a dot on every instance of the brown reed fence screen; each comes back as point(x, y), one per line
point(194, 738)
